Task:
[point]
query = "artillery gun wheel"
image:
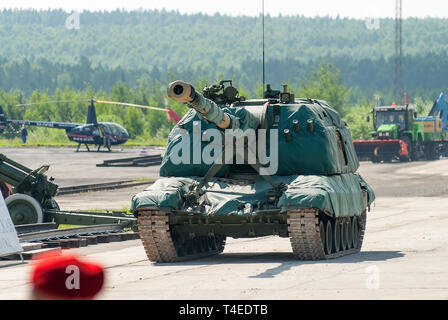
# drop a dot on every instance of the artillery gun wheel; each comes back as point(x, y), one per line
point(24, 209)
point(163, 244)
point(305, 227)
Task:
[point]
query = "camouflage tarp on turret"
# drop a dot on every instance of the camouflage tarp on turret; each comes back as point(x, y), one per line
point(315, 152)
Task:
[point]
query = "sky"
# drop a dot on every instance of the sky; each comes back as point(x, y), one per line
point(359, 9)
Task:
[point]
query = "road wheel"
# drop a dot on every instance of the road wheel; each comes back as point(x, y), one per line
point(197, 245)
point(189, 247)
point(211, 244)
point(336, 236)
point(349, 233)
point(355, 232)
point(344, 235)
point(24, 209)
point(328, 238)
point(322, 232)
point(220, 242)
point(204, 243)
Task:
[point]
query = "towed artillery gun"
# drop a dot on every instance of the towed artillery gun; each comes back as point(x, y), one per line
point(307, 189)
point(32, 200)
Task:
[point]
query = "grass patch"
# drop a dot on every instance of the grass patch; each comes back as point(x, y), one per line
point(126, 210)
point(65, 226)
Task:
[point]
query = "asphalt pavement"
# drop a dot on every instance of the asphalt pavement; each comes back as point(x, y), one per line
point(404, 255)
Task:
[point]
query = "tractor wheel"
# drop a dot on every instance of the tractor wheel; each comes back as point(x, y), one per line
point(419, 150)
point(24, 209)
point(431, 151)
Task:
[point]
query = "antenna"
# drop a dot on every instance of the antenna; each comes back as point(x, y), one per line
point(398, 90)
point(262, 23)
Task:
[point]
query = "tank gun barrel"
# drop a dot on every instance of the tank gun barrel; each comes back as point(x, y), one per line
point(184, 92)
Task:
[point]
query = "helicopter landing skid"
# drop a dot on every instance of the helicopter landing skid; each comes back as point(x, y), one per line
point(79, 144)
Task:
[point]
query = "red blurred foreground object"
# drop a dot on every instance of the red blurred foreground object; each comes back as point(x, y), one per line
point(65, 277)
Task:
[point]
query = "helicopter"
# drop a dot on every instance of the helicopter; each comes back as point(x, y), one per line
point(92, 132)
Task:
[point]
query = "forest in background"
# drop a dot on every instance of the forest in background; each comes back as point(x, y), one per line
point(141, 39)
point(131, 56)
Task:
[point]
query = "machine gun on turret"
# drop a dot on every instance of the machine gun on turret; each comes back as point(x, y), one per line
point(228, 95)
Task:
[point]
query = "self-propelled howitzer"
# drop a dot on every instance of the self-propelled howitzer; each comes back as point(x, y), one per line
point(273, 166)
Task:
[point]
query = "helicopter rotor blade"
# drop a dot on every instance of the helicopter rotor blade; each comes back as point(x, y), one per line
point(50, 102)
point(170, 112)
point(131, 105)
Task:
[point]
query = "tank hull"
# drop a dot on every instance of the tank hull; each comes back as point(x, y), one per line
point(324, 217)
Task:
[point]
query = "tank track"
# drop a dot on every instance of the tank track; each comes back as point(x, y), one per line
point(307, 228)
point(163, 245)
point(308, 234)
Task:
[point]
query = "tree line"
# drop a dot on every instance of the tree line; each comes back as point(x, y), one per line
point(324, 82)
point(147, 38)
point(423, 76)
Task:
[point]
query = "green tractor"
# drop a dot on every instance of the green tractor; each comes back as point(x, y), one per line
point(401, 135)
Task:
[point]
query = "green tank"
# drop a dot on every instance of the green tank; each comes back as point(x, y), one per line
point(251, 168)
